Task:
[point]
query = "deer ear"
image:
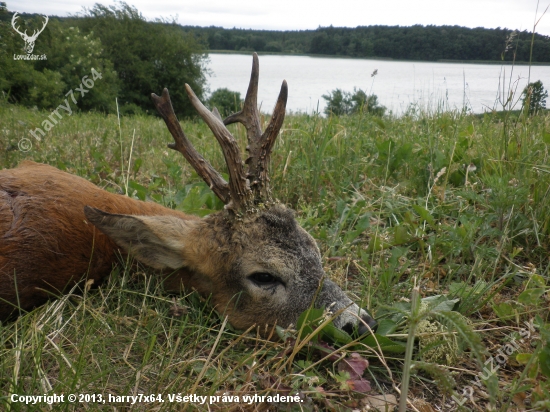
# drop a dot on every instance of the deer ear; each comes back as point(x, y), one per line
point(157, 241)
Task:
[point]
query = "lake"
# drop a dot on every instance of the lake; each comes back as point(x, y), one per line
point(398, 84)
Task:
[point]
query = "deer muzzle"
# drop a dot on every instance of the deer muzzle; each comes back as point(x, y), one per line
point(352, 317)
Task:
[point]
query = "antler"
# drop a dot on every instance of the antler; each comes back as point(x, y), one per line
point(239, 194)
point(236, 194)
point(204, 169)
point(259, 145)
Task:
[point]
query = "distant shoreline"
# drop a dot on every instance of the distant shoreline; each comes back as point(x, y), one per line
point(262, 53)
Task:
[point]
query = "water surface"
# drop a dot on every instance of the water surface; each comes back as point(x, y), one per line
point(398, 84)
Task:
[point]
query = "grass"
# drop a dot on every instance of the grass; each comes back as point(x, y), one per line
point(444, 203)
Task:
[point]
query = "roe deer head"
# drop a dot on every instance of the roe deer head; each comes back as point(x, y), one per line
point(259, 266)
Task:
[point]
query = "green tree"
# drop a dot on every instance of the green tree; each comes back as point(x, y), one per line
point(534, 97)
point(148, 56)
point(20, 81)
point(273, 46)
point(44, 83)
point(412, 43)
point(226, 101)
point(73, 55)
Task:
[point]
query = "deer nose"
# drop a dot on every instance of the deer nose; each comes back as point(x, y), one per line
point(367, 319)
point(361, 327)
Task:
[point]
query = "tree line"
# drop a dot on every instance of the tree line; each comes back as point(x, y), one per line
point(428, 43)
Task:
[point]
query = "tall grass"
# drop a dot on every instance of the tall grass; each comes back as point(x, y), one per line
point(434, 197)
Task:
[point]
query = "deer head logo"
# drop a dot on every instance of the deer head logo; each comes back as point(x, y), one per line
point(29, 40)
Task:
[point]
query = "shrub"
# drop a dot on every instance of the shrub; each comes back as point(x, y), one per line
point(534, 97)
point(226, 101)
point(148, 56)
point(345, 103)
point(71, 55)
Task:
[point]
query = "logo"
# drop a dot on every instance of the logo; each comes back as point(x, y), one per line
point(29, 40)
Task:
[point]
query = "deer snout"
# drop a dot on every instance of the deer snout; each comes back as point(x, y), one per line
point(367, 323)
point(362, 323)
point(352, 317)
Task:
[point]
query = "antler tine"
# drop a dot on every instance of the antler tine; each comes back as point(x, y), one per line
point(241, 195)
point(259, 163)
point(217, 113)
point(249, 116)
point(212, 178)
point(259, 145)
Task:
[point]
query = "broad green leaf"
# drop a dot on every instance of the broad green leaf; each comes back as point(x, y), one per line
point(544, 360)
point(523, 358)
point(401, 235)
point(308, 321)
point(424, 214)
point(332, 333)
point(362, 224)
point(536, 281)
point(440, 303)
point(377, 244)
point(504, 310)
point(137, 164)
point(530, 296)
point(386, 344)
point(137, 189)
point(385, 327)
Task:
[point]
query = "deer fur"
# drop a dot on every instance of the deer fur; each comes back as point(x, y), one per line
point(254, 260)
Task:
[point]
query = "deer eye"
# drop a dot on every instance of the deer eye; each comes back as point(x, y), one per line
point(263, 279)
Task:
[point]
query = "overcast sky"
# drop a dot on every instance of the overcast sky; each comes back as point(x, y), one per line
point(310, 14)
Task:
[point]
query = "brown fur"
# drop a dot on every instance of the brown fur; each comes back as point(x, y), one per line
point(46, 242)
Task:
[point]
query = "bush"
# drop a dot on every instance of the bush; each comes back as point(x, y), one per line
point(71, 55)
point(20, 81)
point(345, 103)
point(534, 97)
point(226, 101)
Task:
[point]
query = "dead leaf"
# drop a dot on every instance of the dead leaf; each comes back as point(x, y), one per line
point(359, 385)
point(422, 405)
point(518, 399)
point(384, 403)
point(355, 365)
